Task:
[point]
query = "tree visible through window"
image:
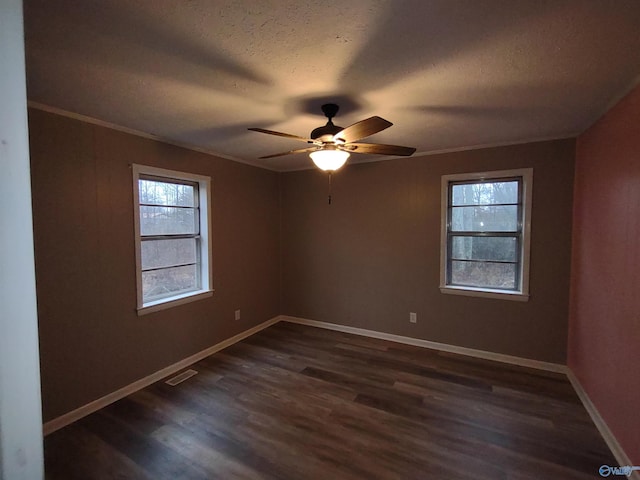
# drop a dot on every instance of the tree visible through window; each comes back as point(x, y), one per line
point(172, 235)
point(484, 231)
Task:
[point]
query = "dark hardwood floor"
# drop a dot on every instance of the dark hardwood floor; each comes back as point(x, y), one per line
point(296, 402)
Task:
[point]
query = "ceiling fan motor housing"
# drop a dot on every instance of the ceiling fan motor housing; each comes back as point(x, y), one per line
point(326, 132)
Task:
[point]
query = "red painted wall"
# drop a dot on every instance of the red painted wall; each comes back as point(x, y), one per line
point(604, 324)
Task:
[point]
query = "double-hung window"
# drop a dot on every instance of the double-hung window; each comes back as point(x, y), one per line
point(172, 233)
point(486, 223)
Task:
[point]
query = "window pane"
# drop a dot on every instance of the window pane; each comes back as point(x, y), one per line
point(485, 193)
point(165, 193)
point(168, 220)
point(484, 248)
point(157, 284)
point(479, 274)
point(484, 219)
point(168, 253)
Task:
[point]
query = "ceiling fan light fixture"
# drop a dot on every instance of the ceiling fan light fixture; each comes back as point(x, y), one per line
point(329, 159)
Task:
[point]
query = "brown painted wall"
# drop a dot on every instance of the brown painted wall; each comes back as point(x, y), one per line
point(374, 255)
point(92, 342)
point(365, 261)
point(604, 326)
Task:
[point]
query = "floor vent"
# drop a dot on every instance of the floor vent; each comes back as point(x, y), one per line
point(181, 377)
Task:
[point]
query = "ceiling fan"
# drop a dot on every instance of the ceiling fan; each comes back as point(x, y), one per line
point(332, 144)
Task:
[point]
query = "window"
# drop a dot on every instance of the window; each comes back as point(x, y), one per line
point(486, 219)
point(173, 243)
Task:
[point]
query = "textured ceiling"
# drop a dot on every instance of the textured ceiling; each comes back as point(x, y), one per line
point(450, 74)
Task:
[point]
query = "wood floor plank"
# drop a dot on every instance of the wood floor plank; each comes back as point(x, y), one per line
point(92, 458)
point(297, 402)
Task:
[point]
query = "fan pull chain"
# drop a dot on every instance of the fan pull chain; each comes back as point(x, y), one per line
point(329, 188)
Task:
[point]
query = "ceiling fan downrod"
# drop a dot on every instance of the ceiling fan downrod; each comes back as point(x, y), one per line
point(330, 110)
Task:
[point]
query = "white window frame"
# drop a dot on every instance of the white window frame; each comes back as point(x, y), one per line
point(204, 204)
point(527, 195)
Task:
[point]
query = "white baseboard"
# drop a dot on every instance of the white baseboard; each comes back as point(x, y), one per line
point(89, 408)
point(609, 438)
point(601, 425)
point(471, 352)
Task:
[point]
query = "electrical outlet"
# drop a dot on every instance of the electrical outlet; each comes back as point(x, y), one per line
point(413, 317)
point(237, 314)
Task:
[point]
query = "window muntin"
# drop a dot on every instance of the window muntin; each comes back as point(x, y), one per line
point(172, 236)
point(486, 232)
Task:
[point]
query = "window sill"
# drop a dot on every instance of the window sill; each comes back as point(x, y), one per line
point(486, 293)
point(174, 301)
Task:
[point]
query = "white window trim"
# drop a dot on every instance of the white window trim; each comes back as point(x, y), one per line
point(205, 194)
point(527, 195)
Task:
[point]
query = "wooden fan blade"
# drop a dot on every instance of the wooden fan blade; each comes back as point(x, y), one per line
point(379, 149)
point(362, 129)
point(301, 150)
point(280, 134)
